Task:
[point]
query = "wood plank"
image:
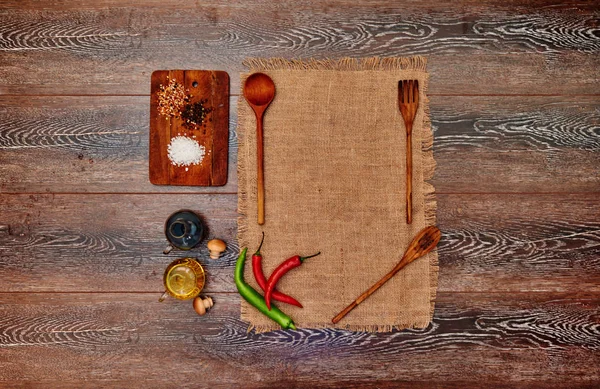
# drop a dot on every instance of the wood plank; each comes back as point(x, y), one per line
point(159, 134)
point(220, 123)
point(93, 243)
point(510, 48)
point(100, 241)
point(482, 144)
point(83, 144)
point(519, 243)
point(61, 340)
point(475, 6)
point(508, 144)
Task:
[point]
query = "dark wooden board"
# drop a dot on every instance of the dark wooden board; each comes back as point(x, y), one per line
point(108, 47)
point(61, 340)
point(482, 144)
point(490, 243)
point(201, 85)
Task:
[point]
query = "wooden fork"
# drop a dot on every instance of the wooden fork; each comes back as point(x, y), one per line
point(408, 101)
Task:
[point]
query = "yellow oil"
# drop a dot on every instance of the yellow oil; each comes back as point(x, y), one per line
point(181, 280)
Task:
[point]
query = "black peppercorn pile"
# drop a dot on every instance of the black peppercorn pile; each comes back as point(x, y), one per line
point(195, 114)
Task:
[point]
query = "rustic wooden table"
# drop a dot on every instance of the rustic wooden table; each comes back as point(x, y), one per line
point(516, 111)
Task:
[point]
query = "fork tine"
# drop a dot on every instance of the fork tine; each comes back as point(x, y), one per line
point(410, 91)
point(400, 92)
point(416, 92)
point(405, 87)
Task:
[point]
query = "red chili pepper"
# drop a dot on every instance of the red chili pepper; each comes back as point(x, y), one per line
point(262, 281)
point(285, 266)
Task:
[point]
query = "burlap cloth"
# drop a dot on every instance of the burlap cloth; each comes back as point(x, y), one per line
point(334, 146)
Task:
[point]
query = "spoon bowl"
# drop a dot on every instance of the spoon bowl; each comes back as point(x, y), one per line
point(259, 91)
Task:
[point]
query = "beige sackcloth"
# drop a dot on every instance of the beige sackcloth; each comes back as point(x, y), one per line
point(335, 179)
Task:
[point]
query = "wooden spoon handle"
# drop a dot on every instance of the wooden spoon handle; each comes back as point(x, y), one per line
point(409, 173)
point(260, 170)
point(424, 242)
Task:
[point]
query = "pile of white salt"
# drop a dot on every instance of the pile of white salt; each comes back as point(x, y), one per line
point(184, 151)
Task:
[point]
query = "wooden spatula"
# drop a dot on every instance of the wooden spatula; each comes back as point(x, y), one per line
point(424, 242)
point(408, 101)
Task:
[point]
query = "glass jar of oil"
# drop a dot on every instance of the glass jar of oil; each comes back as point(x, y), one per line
point(184, 279)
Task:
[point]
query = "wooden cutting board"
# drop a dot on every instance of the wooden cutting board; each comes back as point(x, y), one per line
point(212, 86)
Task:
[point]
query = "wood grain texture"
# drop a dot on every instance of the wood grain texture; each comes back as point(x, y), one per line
point(508, 144)
point(482, 145)
point(490, 243)
point(515, 111)
point(108, 242)
point(83, 144)
point(110, 339)
point(509, 48)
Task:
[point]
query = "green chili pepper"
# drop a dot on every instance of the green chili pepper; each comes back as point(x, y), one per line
point(255, 299)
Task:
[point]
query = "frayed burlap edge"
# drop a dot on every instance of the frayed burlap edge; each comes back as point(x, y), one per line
point(342, 64)
point(429, 164)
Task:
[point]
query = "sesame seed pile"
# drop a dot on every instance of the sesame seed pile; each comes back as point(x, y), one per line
point(172, 99)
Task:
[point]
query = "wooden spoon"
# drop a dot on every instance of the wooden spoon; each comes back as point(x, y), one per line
point(424, 242)
point(259, 91)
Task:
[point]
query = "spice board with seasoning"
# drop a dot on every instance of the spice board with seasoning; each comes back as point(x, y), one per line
point(189, 127)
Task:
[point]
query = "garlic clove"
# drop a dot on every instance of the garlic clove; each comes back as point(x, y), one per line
point(201, 306)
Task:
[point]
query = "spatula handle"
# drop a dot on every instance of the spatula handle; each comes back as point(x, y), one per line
point(405, 261)
point(422, 243)
point(260, 173)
